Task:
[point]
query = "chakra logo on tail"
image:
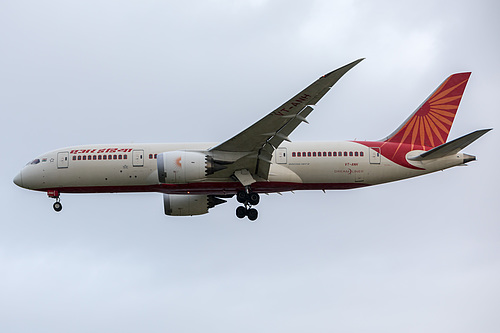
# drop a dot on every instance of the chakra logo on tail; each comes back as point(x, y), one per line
point(430, 124)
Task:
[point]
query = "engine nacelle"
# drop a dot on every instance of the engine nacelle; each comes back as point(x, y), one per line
point(189, 204)
point(181, 166)
point(177, 167)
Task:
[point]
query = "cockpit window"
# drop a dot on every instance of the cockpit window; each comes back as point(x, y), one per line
point(35, 161)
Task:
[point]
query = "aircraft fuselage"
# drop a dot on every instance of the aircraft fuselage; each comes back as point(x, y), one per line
point(295, 166)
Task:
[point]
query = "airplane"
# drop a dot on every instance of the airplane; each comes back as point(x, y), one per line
point(195, 177)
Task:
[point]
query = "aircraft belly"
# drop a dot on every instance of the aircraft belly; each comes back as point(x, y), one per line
point(279, 173)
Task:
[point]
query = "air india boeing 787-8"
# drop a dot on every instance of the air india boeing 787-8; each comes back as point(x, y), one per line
point(194, 177)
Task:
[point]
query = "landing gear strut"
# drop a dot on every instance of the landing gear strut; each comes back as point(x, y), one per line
point(55, 195)
point(248, 199)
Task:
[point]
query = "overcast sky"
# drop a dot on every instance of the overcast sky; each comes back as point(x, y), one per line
point(420, 255)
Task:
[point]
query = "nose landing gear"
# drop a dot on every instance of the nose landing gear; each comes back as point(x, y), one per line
point(55, 195)
point(248, 199)
point(57, 205)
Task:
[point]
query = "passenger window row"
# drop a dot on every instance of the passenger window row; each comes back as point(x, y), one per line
point(328, 154)
point(98, 157)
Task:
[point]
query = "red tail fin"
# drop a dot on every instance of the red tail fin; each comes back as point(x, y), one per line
point(430, 124)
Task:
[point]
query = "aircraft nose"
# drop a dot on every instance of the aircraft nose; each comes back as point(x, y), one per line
point(18, 179)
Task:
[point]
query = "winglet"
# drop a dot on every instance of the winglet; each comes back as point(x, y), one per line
point(344, 69)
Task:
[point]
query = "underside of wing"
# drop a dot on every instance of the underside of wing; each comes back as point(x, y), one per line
point(252, 149)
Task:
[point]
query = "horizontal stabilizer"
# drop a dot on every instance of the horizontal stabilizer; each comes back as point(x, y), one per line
point(451, 147)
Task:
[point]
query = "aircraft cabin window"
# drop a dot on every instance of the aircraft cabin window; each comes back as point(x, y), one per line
point(329, 154)
point(335, 154)
point(156, 156)
point(361, 154)
point(115, 157)
point(355, 153)
point(324, 153)
point(79, 158)
point(308, 154)
point(293, 154)
point(351, 154)
point(314, 153)
point(124, 157)
point(74, 158)
point(110, 157)
point(119, 157)
point(150, 156)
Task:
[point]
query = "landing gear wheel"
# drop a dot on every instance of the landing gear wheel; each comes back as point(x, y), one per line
point(253, 198)
point(241, 212)
point(57, 206)
point(248, 199)
point(242, 197)
point(252, 214)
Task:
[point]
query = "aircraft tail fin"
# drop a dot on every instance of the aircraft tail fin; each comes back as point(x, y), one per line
point(430, 124)
point(451, 147)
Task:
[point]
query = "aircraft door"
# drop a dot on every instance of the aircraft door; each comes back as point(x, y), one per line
point(62, 160)
point(138, 158)
point(375, 155)
point(281, 155)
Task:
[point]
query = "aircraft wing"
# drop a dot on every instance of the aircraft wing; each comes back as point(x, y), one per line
point(251, 150)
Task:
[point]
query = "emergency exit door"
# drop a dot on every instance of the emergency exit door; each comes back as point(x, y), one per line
point(62, 160)
point(138, 158)
point(375, 155)
point(281, 155)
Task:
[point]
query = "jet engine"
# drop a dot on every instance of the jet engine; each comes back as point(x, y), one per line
point(181, 166)
point(189, 204)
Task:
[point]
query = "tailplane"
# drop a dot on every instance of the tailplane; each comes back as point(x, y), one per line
point(430, 124)
point(451, 147)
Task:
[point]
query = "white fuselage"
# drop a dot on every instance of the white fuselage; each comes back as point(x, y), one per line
point(133, 168)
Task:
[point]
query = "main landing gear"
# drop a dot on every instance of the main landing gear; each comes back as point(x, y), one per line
point(248, 199)
point(55, 195)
